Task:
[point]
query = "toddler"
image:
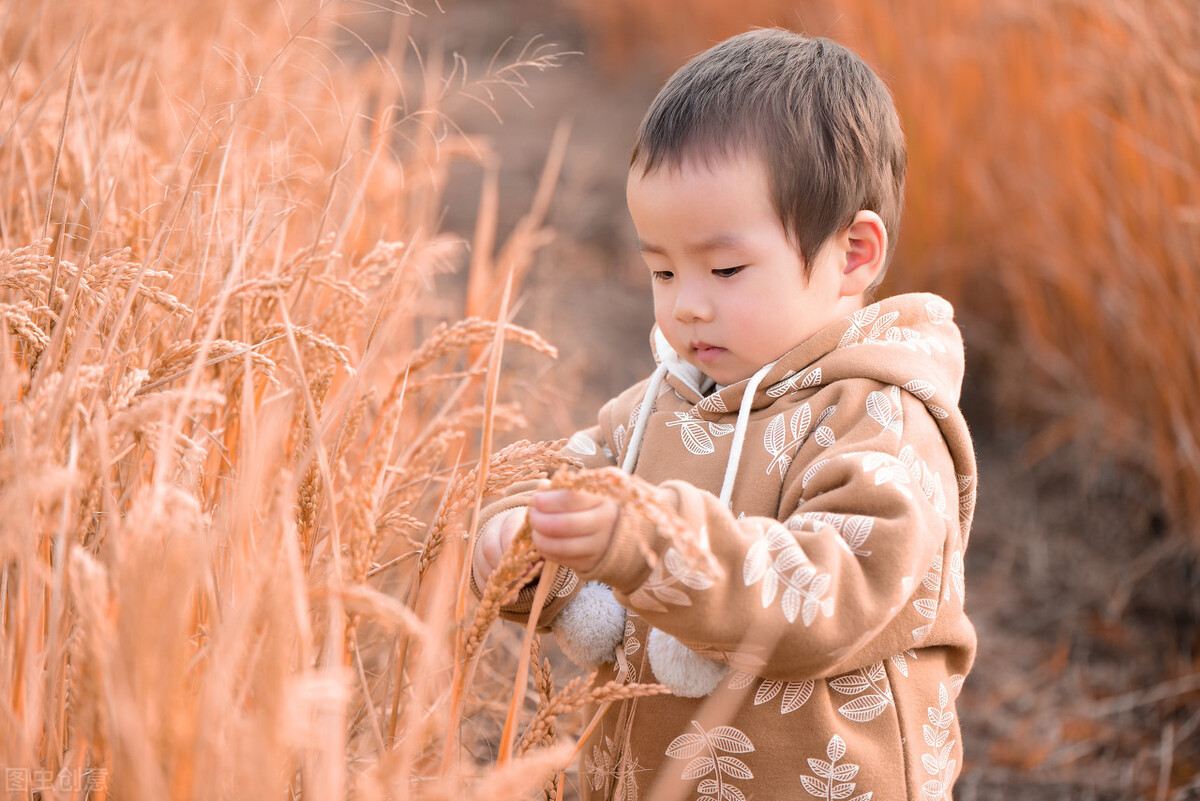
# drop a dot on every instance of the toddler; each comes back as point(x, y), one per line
point(810, 439)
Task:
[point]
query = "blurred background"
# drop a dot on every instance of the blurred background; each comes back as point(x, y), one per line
point(1053, 196)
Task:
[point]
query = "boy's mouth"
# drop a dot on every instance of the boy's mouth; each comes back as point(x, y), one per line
point(706, 352)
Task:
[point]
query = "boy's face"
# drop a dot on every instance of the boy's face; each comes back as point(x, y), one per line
point(729, 288)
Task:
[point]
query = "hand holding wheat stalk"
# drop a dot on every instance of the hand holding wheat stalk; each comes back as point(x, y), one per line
point(637, 496)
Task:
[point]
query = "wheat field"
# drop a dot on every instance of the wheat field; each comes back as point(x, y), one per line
point(241, 440)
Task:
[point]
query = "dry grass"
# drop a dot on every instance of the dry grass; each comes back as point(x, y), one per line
point(238, 460)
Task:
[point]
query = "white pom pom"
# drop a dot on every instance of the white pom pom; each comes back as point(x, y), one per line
point(591, 627)
point(683, 670)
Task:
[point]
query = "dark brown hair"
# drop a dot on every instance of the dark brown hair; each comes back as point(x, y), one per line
point(821, 121)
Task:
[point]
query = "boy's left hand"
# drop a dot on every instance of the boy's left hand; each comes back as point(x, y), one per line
point(573, 528)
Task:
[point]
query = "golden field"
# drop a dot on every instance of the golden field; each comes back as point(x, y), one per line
point(259, 264)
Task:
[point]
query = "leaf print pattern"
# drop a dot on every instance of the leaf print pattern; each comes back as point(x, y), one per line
point(660, 587)
point(582, 444)
point(927, 607)
point(925, 392)
point(708, 758)
point(794, 381)
point(778, 561)
point(740, 679)
point(795, 693)
point(777, 442)
point(677, 567)
point(929, 481)
point(868, 326)
point(829, 780)
point(695, 438)
point(886, 410)
point(853, 529)
point(632, 646)
point(966, 502)
point(692, 430)
point(938, 762)
point(823, 434)
point(957, 581)
point(900, 660)
point(887, 469)
point(922, 389)
point(940, 311)
point(812, 471)
point(623, 431)
point(604, 767)
point(871, 691)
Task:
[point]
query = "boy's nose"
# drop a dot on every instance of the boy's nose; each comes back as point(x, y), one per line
point(692, 305)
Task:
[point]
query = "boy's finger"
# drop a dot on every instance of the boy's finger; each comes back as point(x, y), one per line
point(567, 524)
point(579, 553)
point(561, 500)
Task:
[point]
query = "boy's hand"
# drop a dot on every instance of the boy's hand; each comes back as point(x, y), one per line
point(573, 528)
point(494, 539)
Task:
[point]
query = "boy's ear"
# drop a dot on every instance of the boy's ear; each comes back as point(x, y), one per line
point(866, 251)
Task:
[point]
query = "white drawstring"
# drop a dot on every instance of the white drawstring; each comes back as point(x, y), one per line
point(639, 428)
point(739, 433)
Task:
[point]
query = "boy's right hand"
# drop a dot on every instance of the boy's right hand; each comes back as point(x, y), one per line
point(494, 539)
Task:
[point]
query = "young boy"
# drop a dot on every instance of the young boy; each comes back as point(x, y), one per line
point(812, 442)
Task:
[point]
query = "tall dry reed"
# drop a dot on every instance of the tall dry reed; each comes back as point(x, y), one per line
point(234, 484)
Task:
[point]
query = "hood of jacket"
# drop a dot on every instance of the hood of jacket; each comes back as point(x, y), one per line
point(888, 341)
point(910, 341)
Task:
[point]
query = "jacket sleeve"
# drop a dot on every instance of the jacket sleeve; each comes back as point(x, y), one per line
point(850, 576)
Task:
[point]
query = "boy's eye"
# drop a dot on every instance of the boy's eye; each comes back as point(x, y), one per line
point(728, 272)
point(661, 275)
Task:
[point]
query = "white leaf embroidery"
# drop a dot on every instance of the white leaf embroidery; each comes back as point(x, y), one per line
point(691, 430)
point(739, 679)
point(864, 708)
point(734, 767)
point(830, 780)
point(696, 439)
point(701, 766)
point(702, 747)
point(686, 746)
point(870, 686)
point(939, 311)
point(937, 762)
point(803, 586)
point(796, 694)
point(581, 443)
point(824, 436)
point(927, 607)
point(677, 567)
point(922, 389)
point(774, 437)
point(812, 471)
point(879, 409)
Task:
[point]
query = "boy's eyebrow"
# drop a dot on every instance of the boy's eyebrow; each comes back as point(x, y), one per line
point(720, 241)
